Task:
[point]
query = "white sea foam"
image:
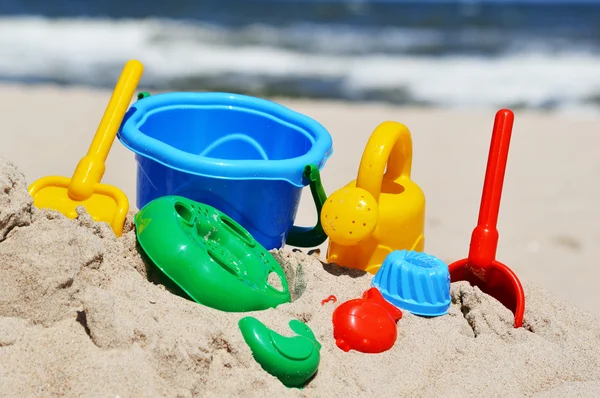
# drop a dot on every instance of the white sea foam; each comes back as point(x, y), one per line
point(91, 51)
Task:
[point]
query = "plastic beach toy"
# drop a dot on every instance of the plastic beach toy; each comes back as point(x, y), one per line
point(480, 268)
point(293, 360)
point(102, 202)
point(311, 236)
point(210, 256)
point(415, 282)
point(245, 156)
point(377, 213)
point(367, 324)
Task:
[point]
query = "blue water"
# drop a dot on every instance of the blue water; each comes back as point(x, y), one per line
point(451, 53)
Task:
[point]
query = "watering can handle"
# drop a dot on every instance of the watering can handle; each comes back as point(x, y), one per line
point(391, 145)
point(311, 236)
point(90, 168)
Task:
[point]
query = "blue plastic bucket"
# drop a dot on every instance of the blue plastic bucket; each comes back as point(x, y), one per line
point(242, 155)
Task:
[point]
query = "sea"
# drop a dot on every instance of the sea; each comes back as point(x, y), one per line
point(484, 54)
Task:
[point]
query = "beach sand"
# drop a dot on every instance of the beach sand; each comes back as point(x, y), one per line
point(78, 316)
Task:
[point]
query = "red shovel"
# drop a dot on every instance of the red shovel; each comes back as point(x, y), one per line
point(481, 268)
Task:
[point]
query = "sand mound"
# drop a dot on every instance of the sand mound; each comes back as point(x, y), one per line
point(80, 316)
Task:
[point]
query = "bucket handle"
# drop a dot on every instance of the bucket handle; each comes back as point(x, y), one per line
point(310, 236)
point(391, 145)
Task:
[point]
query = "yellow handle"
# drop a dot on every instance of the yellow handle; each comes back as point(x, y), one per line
point(90, 168)
point(391, 145)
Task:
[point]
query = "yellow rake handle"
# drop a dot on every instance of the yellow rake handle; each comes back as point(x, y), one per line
point(90, 168)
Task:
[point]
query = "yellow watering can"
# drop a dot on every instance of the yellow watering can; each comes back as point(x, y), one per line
point(377, 213)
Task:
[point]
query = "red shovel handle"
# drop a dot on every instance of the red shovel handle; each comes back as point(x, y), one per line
point(484, 240)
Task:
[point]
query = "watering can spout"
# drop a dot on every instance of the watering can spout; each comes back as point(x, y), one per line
point(310, 236)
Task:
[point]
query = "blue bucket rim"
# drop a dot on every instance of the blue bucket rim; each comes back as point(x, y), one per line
point(290, 170)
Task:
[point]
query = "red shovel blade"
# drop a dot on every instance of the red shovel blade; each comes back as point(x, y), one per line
point(498, 281)
point(481, 268)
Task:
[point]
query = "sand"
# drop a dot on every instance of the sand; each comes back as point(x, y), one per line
point(548, 222)
point(80, 315)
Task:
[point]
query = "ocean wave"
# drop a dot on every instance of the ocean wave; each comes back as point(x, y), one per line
point(299, 60)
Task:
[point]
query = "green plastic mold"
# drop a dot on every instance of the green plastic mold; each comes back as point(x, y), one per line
point(209, 255)
point(293, 360)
